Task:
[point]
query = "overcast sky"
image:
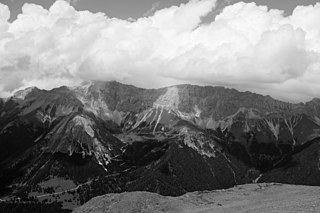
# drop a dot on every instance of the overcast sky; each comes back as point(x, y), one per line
point(266, 46)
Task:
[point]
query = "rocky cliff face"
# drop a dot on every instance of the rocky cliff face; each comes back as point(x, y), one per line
point(70, 144)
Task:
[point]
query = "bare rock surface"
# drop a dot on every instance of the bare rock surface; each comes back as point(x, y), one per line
point(263, 197)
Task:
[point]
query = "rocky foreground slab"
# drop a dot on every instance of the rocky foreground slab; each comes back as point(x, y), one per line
point(270, 197)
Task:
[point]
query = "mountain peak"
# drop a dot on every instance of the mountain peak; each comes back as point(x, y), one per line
point(315, 100)
point(21, 94)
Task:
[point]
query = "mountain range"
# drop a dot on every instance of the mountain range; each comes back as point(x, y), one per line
point(70, 144)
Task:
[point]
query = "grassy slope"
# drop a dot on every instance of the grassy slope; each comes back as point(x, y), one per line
point(244, 198)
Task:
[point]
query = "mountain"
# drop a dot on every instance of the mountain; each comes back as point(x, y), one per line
point(258, 198)
point(71, 144)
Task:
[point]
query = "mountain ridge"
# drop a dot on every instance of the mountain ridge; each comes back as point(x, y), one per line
point(315, 99)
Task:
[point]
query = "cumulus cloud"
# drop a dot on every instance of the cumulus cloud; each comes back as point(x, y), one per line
point(72, 2)
point(152, 9)
point(247, 47)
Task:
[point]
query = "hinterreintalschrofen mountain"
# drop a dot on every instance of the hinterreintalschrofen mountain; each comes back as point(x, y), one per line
point(71, 144)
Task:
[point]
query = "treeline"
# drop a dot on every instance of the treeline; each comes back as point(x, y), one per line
point(32, 208)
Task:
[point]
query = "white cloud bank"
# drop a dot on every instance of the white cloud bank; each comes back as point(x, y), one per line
point(247, 47)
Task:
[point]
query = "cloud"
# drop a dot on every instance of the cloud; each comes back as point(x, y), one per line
point(73, 2)
point(247, 47)
point(152, 9)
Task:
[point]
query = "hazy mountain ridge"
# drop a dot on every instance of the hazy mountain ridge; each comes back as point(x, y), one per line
point(106, 137)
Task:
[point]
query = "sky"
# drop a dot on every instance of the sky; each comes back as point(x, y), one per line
point(271, 47)
point(125, 9)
